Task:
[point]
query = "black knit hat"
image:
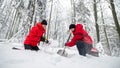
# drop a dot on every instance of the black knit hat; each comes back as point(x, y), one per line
point(44, 22)
point(72, 26)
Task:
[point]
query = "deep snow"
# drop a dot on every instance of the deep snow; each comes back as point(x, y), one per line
point(47, 58)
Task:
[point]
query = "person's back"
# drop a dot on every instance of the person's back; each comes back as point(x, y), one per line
point(86, 37)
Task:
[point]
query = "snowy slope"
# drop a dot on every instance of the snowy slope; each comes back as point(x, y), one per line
point(47, 58)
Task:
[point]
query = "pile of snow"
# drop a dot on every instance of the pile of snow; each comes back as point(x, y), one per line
point(99, 46)
point(47, 58)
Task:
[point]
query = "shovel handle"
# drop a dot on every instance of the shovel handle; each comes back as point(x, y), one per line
point(67, 41)
point(68, 37)
point(65, 45)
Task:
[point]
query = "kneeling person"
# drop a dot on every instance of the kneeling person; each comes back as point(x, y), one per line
point(35, 36)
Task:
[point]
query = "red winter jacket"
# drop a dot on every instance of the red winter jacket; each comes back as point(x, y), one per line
point(33, 38)
point(79, 34)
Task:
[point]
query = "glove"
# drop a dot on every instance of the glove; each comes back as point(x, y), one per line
point(46, 41)
point(43, 39)
point(65, 44)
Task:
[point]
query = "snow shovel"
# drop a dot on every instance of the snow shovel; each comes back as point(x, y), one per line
point(63, 52)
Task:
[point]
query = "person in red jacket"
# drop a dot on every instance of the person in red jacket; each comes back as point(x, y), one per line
point(35, 36)
point(81, 39)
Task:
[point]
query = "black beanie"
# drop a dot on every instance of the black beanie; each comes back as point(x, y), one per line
point(44, 22)
point(72, 26)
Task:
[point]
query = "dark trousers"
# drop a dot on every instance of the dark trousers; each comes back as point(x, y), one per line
point(83, 48)
point(29, 47)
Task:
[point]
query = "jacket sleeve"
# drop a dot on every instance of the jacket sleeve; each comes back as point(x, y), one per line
point(73, 40)
point(71, 43)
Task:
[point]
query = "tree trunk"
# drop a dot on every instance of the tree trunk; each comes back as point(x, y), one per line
point(106, 36)
point(96, 24)
point(56, 20)
point(115, 17)
point(33, 12)
point(49, 21)
point(73, 13)
point(9, 33)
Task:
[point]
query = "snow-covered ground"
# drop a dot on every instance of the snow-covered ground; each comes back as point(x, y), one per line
point(47, 58)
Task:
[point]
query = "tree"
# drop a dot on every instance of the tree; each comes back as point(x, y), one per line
point(108, 51)
point(73, 11)
point(49, 21)
point(96, 24)
point(115, 17)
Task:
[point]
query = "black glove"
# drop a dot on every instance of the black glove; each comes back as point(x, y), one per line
point(46, 41)
point(43, 39)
